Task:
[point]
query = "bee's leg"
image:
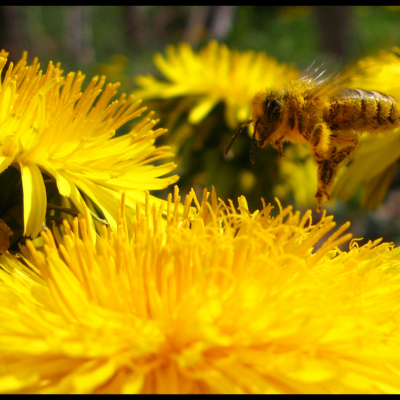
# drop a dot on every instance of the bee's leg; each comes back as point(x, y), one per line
point(320, 138)
point(320, 134)
point(279, 146)
point(319, 145)
point(328, 168)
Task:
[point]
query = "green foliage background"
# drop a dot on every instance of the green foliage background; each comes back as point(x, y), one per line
point(87, 37)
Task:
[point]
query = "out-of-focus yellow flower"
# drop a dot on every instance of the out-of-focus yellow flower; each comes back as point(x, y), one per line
point(47, 126)
point(223, 301)
point(373, 166)
point(213, 75)
point(298, 173)
point(376, 159)
point(379, 73)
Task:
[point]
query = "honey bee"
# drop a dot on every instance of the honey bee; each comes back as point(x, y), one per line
point(320, 110)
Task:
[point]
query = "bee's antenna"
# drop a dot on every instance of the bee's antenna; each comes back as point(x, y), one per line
point(241, 127)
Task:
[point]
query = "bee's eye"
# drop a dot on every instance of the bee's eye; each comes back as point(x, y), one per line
point(270, 121)
point(274, 109)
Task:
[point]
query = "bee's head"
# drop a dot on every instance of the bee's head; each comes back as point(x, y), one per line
point(267, 115)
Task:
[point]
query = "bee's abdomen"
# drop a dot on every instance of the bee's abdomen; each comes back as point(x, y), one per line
point(363, 110)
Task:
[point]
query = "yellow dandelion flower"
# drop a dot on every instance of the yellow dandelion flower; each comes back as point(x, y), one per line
point(379, 72)
point(215, 74)
point(376, 159)
point(224, 301)
point(49, 128)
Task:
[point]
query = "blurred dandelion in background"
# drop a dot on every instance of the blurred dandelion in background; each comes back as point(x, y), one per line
point(203, 98)
point(212, 75)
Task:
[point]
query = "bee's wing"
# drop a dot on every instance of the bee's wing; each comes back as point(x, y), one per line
point(335, 82)
point(321, 73)
point(328, 77)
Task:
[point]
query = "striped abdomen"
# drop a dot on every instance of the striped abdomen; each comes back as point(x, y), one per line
point(362, 110)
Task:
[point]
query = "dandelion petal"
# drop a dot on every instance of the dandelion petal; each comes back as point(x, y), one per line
point(35, 200)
